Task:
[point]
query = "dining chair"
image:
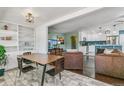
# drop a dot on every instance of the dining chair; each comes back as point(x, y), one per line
point(25, 60)
point(22, 68)
point(28, 62)
point(58, 68)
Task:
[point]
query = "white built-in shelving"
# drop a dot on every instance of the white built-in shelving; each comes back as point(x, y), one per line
point(11, 44)
point(22, 38)
point(26, 38)
point(7, 33)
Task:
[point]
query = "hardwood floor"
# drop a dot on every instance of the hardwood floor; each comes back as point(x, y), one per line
point(76, 71)
point(104, 78)
point(110, 80)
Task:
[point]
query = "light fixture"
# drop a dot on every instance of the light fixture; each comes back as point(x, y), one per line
point(114, 31)
point(100, 31)
point(59, 42)
point(107, 31)
point(29, 17)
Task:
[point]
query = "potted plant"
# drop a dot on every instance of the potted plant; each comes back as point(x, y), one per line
point(3, 59)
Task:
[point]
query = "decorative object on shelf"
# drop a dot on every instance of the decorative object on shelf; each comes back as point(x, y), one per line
point(2, 38)
point(27, 44)
point(5, 27)
point(3, 59)
point(8, 38)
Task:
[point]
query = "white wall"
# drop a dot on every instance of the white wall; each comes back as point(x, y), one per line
point(41, 34)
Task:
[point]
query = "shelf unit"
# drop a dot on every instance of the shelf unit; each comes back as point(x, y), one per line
point(26, 38)
point(11, 44)
point(7, 33)
point(21, 38)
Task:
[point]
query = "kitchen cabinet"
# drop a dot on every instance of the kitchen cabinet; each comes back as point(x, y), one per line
point(92, 37)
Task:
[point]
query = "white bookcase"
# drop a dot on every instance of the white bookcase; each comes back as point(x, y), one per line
point(26, 39)
point(21, 38)
point(11, 44)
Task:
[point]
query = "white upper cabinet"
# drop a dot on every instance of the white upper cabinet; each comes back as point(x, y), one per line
point(101, 37)
point(92, 37)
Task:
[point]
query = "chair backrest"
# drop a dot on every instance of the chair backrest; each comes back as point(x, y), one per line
point(53, 52)
point(59, 65)
point(27, 53)
point(25, 60)
point(56, 51)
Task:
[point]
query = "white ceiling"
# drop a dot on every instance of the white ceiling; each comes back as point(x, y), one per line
point(45, 14)
point(90, 20)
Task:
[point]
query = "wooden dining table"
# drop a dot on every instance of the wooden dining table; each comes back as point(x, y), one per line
point(42, 59)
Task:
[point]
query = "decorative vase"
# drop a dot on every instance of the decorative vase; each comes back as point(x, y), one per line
point(5, 27)
point(8, 38)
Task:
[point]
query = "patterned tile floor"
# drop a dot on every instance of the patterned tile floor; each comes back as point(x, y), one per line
point(33, 78)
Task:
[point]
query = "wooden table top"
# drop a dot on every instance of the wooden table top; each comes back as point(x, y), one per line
point(41, 58)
